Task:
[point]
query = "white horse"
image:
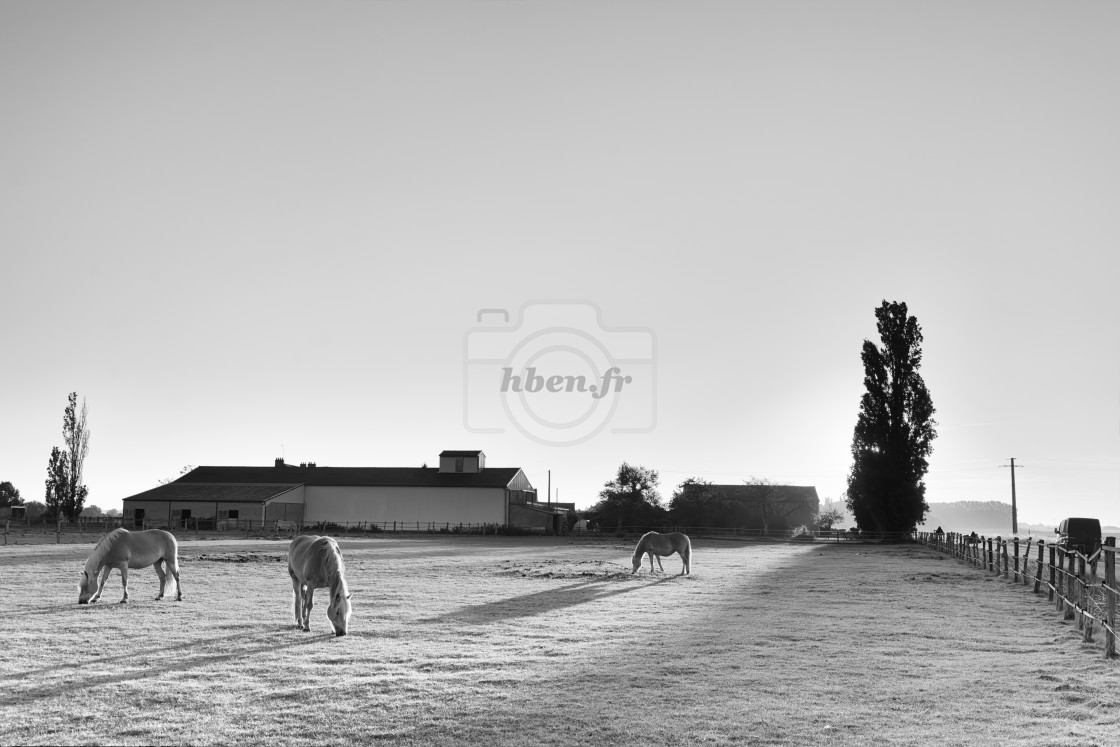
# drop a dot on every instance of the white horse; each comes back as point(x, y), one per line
point(123, 549)
point(316, 563)
point(656, 544)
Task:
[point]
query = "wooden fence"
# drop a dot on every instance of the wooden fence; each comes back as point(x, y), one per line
point(1069, 578)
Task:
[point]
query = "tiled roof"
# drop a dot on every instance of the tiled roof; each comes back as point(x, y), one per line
point(225, 493)
point(476, 452)
point(491, 477)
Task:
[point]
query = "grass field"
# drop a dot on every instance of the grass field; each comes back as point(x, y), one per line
point(511, 641)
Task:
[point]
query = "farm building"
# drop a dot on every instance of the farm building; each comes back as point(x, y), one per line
point(462, 490)
point(785, 506)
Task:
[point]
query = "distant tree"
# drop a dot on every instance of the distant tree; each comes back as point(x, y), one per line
point(113, 512)
point(66, 495)
point(630, 499)
point(895, 429)
point(9, 495)
point(831, 514)
point(697, 503)
point(92, 511)
point(36, 510)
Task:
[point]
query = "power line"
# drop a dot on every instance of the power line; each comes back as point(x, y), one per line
point(1014, 509)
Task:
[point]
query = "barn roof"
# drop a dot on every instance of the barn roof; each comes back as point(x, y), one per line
point(806, 494)
point(420, 477)
point(222, 493)
point(470, 453)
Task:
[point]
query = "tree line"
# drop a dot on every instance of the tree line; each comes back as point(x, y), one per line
point(632, 498)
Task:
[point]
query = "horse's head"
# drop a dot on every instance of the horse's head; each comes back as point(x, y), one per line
point(87, 584)
point(339, 610)
point(637, 563)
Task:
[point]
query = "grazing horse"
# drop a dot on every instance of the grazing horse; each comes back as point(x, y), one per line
point(316, 563)
point(656, 544)
point(123, 549)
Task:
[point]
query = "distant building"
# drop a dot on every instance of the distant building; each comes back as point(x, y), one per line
point(462, 490)
point(786, 506)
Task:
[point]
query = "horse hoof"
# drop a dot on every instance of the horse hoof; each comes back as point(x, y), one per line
point(124, 601)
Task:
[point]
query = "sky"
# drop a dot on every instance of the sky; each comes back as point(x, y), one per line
point(331, 232)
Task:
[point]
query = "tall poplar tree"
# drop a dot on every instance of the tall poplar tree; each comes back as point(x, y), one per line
point(895, 430)
point(66, 495)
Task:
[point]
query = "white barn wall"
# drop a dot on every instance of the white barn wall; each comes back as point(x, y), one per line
point(352, 503)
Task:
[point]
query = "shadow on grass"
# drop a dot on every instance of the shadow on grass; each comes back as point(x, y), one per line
point(88, 678)
point(540, 602)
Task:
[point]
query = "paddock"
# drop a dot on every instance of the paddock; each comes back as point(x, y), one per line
point(511, 641)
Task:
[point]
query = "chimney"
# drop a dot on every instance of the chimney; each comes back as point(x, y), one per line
point(279, 461)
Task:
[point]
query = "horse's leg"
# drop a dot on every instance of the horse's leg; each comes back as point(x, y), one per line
point(162, 577)
point(297, 590)
point(686, 559)
point(308, 603)
point(124, 582)
point(174, 568)
point(651, 557)
point(104, 577)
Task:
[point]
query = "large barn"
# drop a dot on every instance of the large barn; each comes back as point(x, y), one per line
point(786, 506)
point(462, 490)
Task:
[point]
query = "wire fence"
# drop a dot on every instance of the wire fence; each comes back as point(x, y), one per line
point(1070, 579)
point(90, 528)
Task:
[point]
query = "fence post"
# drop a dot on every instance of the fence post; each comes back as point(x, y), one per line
point(987, 541)
point(1061, 580)
point(1068, 570)
point(1110, 598)
point(1038, 569)
point(1086, 613)
point(1016, 546)
point(1053, 580)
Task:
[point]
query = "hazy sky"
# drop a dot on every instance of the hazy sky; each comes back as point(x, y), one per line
point(247, 230)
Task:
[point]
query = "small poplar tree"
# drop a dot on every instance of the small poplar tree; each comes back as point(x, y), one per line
point(66, 495)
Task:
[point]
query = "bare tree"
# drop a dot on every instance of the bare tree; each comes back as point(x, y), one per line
point(183, 471)
point(771, 499)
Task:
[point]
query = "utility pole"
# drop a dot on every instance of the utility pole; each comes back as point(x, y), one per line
point(1014, 509)
point(550, 489)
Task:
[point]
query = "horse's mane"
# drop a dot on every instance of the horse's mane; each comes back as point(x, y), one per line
point(102, 548)
point(641, 548)
point(327, 555)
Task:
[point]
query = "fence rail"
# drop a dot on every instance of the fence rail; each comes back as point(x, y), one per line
point(1070, 577)
point(93, 527)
